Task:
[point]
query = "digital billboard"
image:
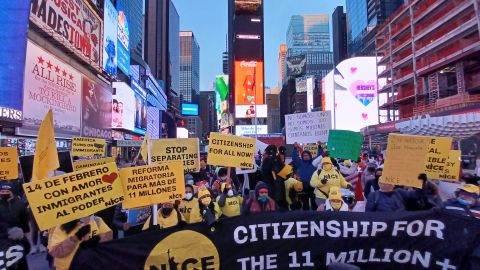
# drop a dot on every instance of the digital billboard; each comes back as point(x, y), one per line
point(75, 25)
point(248, 6)
point(123, 40)
point(354, 102)
point(110, 28)
point(241, 130)
point(251, 111)
point(153, 122)
point(249, 82)
point(12, 58)
point(140, 126)
point(296, 65)
point(123, 106)
point(96, 110)
point(189, 109)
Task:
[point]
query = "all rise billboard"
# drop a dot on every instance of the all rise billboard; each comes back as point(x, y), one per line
point(249, 82)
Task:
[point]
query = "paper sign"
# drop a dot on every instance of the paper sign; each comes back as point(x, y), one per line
point(451, 170)
point(152, 184)
point(88, 147)
point(71, 196)
point(185, 150)
point(437, 157)
point(139, 215)
point(307, 127)
point(8, 163)
point(231, 151)
point(406, 160)
point(312, 148)
point(344, 144)
point(80, 165)
point(246, 171)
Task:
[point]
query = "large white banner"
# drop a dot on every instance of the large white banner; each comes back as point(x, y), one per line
point(50, 84)
point(307, 127)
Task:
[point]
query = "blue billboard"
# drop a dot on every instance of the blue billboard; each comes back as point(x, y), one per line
point(14, 16)
point(140, 123)
point(123, 40)
point(189, 109)
point(110, 36)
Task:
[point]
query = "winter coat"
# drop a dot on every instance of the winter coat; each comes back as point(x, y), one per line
point(385, 202)
point(305, 169)
point(334, 179)
point(14, 213)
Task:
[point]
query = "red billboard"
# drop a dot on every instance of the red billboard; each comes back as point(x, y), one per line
point(249, 82)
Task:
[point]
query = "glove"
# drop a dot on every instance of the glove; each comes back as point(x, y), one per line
point(350, 187)
point(90, 242)
point(324, 181)
point(15, 233)
point(83, 231)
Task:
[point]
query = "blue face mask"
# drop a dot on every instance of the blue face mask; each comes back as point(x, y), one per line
point(263, 198)
point(464, 202)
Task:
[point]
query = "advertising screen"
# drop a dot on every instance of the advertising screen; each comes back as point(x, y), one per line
point(241, 130)
point(251, 111)
point(189, 109)
point(153, 122)
point(12, 58)
point(296, 65)
point(123, 40)
point(110, 28)
point(354, 102)
point(248, 6)
point(96, 110)
point(248, 83)
point(74, 25)
point(123, 106)
point(140, 126)
point(50, 84)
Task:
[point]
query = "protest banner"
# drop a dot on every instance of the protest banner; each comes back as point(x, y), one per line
point(451, 170)
point(8, 163)
point(13, 254)
point(80, 165)
point(185, 150)
point(406, 160)
point(231, 151)
point(298, 240)
point(344, 144)
point(71, 196)
point(88, 147)
point(438, 151)
point(152, 184)
point(307, 127)
point(139, 215)
point(312, 148)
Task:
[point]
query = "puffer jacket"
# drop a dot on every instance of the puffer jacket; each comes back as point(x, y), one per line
point(333, 179)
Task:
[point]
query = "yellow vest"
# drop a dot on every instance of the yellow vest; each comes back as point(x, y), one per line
point(232, 206)
point(190, 210)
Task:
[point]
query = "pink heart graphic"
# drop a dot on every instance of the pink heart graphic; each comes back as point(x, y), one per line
point(365, 92)
point(353, 70)
point(365, 116)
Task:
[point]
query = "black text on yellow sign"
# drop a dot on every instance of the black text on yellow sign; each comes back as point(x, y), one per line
point(185, 150)
point(88, 147)
point(80, 165)
point(8, 163)
point(71, 196)
point(152, 184)
point(231, 151)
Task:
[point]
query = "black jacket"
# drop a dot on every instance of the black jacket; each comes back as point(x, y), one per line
point(14, 213)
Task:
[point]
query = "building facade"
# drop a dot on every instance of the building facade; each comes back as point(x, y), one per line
point(273, 112)
point(189, 67)
point(194, 126)
point(207, 112)
point(339, 28)
point(308, 33)
point(282, 55)
point(135, 17)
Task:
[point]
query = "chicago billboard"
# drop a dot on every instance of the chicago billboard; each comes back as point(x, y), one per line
point(96, 110)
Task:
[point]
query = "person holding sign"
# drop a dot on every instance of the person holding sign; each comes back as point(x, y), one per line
point(209, 209)
point(67, 238)
point(386, 199)
point(167, 217)
point(189, 207)
point(305, 169)
point(229, 202)
point(325, 179)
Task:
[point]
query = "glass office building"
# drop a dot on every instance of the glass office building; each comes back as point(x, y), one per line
point(189, 67)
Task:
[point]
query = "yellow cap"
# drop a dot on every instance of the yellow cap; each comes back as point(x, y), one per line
point(202, 191)
point(470, 189)
point(287, 169)
point(326, 160)
point(347, 163)
point(298, 186)
point(335, 194)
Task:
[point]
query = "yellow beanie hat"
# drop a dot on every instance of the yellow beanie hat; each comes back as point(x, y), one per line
point(298, 186)
point(202, 191)
point(326, 160)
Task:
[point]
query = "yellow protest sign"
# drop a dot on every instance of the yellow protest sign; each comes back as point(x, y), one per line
point(80, 165)
point(312, 148)
point(152, 184)
point(8, 163)
point(88, 147)
point(438, 151)
point(231, 151)
point(406, 155)
point(71, 196)
point(185, 150)
point(451, 170)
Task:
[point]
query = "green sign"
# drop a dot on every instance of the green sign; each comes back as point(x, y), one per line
point(344, 144)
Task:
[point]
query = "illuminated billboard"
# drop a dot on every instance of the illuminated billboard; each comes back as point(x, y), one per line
point(241, 130)
point(354, 103)
point(247, 6)
point(249, 82)
point(110, 29)
point(189, 109)
point(251, 111)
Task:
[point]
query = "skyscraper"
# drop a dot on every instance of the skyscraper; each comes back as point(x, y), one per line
point(189, 67)
point(207, 112)
point(282, 54)
point(134, 11)
point(339, 27)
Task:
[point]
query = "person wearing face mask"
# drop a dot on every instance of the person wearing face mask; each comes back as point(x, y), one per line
point(261, 202)
point(167, 217)
point(466, 201)
point(229, 202)
point(189, 207)
point(334, 202)
point(386, 199)
point(222, 178)
point(325, 179)
point(12, 210)
point(305, 169)
point(208, 209)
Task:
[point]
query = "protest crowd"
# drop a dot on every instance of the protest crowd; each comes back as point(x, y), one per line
point(298, 181)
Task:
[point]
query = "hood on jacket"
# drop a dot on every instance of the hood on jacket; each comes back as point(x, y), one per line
point(260, 185)
point(308, 153)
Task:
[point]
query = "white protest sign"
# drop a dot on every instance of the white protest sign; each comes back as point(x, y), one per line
point(307, 127)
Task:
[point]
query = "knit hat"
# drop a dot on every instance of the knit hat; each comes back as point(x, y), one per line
point(261, 185)
point(326, 160)
point(335, 194)
point(271, 150)
point(298, 186)
point(5, 186)
point(202, 191)
point(347, 163)
point(470, 189)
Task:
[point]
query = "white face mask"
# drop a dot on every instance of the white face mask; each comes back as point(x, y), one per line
point(190, 182)
point(188, 196)
point(230, 193)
